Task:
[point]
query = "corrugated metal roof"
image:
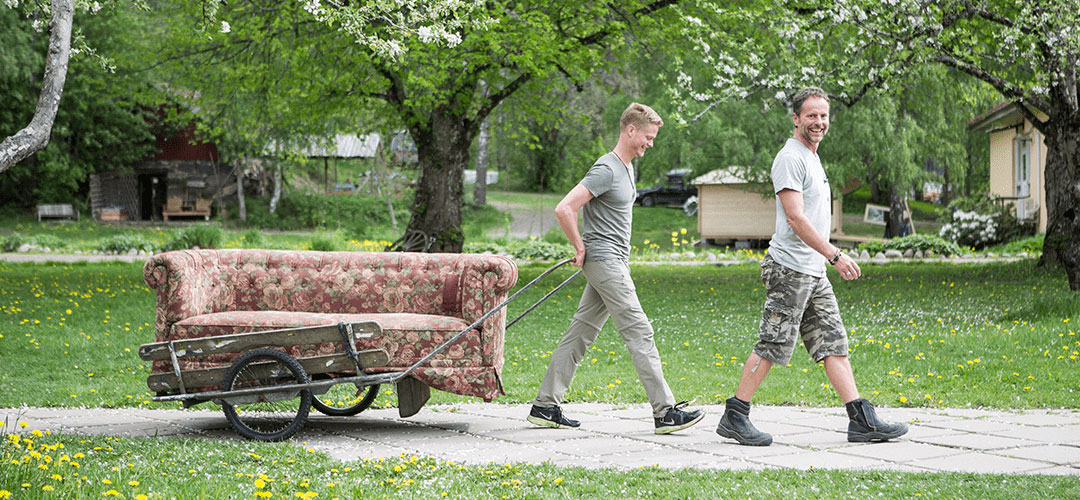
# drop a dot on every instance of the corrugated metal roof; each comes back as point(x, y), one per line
point(346, 146)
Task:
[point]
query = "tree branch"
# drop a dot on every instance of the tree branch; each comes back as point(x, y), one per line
point(36, 135)
point(1007, 89)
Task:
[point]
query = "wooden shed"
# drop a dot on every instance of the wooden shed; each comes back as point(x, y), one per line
point(733, 208)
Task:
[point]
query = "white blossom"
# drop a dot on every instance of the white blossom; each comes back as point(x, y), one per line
point(225, 28)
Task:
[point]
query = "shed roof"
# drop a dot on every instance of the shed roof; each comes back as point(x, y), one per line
point(726, 175)
point(346, 146)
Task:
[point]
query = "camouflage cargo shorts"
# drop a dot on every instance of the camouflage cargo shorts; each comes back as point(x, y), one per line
point(798, 305)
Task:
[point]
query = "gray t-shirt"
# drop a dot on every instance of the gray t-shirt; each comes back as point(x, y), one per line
point(799, 169)
point(608, 216)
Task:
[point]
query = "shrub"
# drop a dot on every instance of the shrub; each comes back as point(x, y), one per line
point(122, 243)
point(324, 243)
point(51, 241)
point(356, 213)
point(12, 242)
point(872, 247)
point(531, 249)
point(922, 242)
point(980, 222)
point(200, 235)
point(252, 238)
point(542, 250)
point(484, 246)
point(1033, 245)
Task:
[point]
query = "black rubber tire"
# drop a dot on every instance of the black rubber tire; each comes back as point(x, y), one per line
point(267, 420)
point(648, 201)
point(372, 391)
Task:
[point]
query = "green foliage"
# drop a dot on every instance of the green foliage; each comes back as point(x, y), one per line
point(872, 247)
point(1033, 245)
point(325, 243)
point(556, 235)
point(252, 238)
point(979, 222)
point(360, 215)
point(50, 241)
point(541, 250)
point(916, 242)
point(121, 243)
point(484, 247)
point(104, 118)
point(922, 242)
point(476, 221)
point(12, 242)
point(530, 249)
point(198, 235)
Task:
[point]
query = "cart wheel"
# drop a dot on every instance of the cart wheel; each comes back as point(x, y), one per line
point(269, 416)
point(345, 400)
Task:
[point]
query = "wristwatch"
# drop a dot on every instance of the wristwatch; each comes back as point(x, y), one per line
point(835, 258)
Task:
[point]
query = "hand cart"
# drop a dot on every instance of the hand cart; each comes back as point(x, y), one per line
point(257, 392)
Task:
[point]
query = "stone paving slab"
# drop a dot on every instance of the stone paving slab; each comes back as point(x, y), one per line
point(621, 436)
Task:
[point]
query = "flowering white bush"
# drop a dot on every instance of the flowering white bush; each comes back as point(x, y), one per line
point(971, 229)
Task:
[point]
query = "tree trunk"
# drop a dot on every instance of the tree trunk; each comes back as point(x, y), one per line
point(1062, 244)
point(277, 188)
point(380, 168)
point(480, 190)
point(443, 152)
point(896, 223)
point(36, 135)
point(946, 189)
point(240, 190)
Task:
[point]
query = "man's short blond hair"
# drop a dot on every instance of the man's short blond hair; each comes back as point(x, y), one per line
point(640, 116)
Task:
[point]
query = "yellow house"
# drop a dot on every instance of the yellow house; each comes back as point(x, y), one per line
point(1017, 161)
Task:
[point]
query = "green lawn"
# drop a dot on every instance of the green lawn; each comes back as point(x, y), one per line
point(72, 467)
point(942, 335)
point(998, 335)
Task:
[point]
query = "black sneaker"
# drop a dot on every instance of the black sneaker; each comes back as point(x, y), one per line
point(550, 417)
point(676, 419)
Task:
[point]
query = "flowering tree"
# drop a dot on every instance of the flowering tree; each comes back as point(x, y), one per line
point(1028, 51)
point(401, 63)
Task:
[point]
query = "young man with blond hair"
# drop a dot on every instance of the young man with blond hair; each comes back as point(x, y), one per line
point(606, 197)
point(800, 302)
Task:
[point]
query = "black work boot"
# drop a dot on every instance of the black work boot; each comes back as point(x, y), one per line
point(865, 425)
point(736, 424)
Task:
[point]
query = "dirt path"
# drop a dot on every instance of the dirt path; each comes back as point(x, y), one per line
point(526, 221)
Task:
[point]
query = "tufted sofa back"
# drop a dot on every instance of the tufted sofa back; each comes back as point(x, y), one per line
point(194, 282)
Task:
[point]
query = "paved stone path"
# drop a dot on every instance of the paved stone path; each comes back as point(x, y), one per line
point(621, 436)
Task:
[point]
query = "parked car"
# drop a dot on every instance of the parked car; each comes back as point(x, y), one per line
point(673, 192)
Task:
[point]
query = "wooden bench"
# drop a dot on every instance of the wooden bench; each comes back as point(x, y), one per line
point(58, 211)
point(174, 207)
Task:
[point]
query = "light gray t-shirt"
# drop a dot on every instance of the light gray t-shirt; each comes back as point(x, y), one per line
point(608, 216)
point(799, 169)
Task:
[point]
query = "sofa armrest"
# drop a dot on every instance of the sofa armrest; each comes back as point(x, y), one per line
point(486, 280)
point(183, 288)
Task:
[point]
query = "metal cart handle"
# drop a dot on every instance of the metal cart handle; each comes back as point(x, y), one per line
point(476, 323)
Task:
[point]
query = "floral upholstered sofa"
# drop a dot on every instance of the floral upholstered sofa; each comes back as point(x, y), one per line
point(419, 300)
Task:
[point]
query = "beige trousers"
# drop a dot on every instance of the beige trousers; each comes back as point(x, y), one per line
point(609, 292)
